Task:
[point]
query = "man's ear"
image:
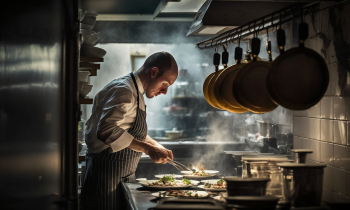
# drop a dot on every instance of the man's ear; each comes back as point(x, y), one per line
point(154, 72)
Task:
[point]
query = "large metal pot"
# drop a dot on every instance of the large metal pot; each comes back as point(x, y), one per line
point(268, 129)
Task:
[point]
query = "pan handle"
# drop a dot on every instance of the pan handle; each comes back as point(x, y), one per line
point(224, 58)
point(281, 40)
point(238, 54)
point(216, 60)
point(268, 49)
point(255, 48)
point(303, 33)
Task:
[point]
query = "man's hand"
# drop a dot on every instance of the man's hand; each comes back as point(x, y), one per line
point(159, 154)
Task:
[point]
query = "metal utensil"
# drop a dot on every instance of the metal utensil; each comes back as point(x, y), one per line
point(178, 165)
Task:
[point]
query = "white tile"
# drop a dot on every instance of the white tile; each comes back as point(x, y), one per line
point(314, 111)
point(339, 181)
point(302, 113)
point(305, 143)
point(348, 132)
point(327, 153)
point(297, 126)
point(348, 183)
point(340, 198)
point(342, 157)
point(327, 127)
point(333, 79)
point(296, 142)
point(328, 176)
point(327, 107)
point(327, 195)
point(314, 128)
point(316, 147)
point(339, 108)
point(340, 132)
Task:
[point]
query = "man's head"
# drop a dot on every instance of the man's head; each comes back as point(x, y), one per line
point(160, 71)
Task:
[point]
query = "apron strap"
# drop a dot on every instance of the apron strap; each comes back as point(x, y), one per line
point(137, 88)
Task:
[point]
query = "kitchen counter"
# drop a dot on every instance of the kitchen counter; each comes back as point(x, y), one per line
point(140, 198)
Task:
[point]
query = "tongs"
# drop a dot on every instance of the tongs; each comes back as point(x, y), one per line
point(178, 165)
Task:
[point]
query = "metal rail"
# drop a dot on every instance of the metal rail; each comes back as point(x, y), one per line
point(261, 25)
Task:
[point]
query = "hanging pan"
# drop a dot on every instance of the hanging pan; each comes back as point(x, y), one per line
point(223, 85)
point(299, 77)
point(249, 86)
point(209, 79)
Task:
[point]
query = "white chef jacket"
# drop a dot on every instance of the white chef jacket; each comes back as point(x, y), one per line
point(114, 109)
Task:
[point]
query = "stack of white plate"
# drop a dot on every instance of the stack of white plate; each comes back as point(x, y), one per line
point(87, 22)
point(84, 88)
point(91, 51)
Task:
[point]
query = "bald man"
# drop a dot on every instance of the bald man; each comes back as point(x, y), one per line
point(116, 132)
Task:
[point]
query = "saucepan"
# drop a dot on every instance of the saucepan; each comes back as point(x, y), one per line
point(299, 77)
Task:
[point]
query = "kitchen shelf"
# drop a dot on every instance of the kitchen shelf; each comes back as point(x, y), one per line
point(81, 159)
point(90, 59)
point(260, 25)
point(93, 72)
point(85, 100)
point(89, 65)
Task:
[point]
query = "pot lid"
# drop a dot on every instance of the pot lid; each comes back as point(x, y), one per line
point(302, 150)
point(235, 179)
point(253, 198)
point(301, 165)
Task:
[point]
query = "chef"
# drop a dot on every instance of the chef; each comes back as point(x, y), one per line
point(116, 132)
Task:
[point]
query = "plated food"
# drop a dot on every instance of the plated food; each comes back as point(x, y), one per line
point(199, 174)
point(173, 175)
point(168, 182)
point(214, 185)
point(221, 184)
point(181, 193)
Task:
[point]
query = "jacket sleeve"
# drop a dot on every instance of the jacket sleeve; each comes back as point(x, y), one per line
point(118, 103)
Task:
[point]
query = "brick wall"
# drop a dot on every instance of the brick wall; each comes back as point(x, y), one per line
point(325, 128)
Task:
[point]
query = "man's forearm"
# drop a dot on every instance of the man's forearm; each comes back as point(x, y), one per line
point(139, 146)
point(152, 141)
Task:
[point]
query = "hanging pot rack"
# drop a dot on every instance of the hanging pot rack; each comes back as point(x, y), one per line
point(260, 25)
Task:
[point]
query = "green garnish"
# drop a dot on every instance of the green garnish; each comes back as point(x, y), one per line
point(189, 193)
point(186, 181)
point(207, 185)
point(221, 181)
point(167, 179)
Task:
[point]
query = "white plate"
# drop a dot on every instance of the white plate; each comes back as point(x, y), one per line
point(173, 175)
point(144, 184)
point(201, 194)
point(210, 181)
point(211, 172)
point(198, 177)
point(211, 189)
point(141, 179)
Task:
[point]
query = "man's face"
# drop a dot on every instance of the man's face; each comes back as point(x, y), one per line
point(159, 84)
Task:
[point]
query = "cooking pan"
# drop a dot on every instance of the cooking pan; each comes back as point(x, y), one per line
point(299, 77)
point(223, 86)
point(249, 86)
point(209, 79)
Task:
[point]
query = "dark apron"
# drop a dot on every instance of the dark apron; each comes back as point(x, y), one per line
point(105, 170)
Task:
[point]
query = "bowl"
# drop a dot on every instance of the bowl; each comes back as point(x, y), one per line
point(86, 33)
point(85, 91)
point(81, 14)
point(81, 85)
point(259, 202)
point(86, 26)
point(89, 20)
point(246, 186)
point(90, 39)
point(173, 134)
point(83, 76)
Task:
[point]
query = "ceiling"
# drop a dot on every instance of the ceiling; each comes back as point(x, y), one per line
point(120, 6)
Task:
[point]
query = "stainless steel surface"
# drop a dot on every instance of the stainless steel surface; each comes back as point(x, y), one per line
point(302, 184)
point(300, 155)
point(38, 166)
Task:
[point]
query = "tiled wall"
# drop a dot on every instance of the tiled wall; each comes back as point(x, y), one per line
point(325, 128)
